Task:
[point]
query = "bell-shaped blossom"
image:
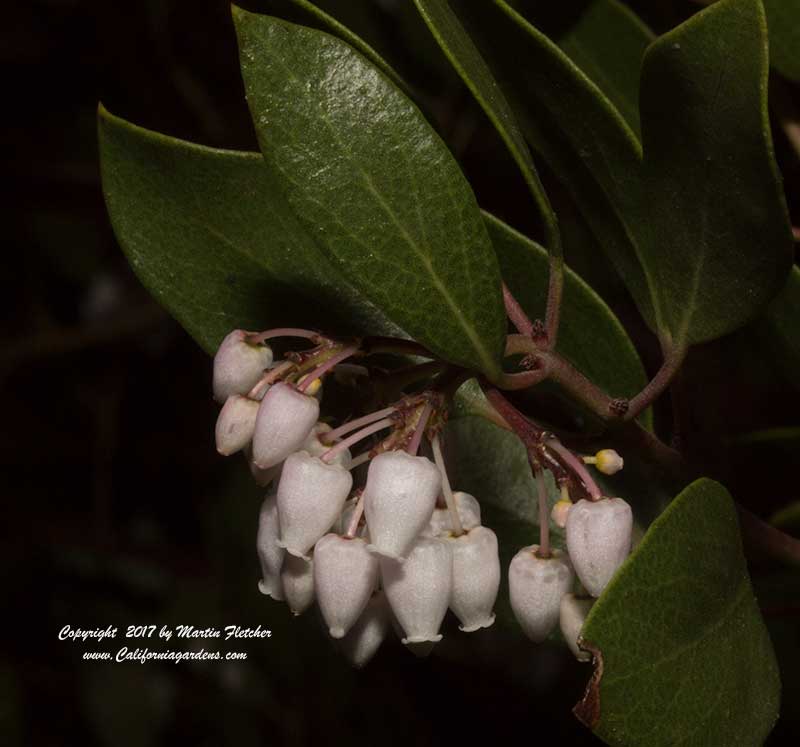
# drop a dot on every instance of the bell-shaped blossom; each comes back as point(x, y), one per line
point(535, 587)
point(399, 499)
point(573, 613)
point(598, 540)
point(311, 495)
point(270, 555)
point(344, 575)
point(297, 579)
point(469, 512)
point(238, 365)
point(476, 578)
point(365, 637)
point(284, 421)
point(235, 424)
point(419, 589)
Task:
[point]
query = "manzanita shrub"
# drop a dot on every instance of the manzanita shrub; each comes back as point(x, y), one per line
point(378, 338)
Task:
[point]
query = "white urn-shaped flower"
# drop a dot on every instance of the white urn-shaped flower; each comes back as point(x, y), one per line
point(368, 633)
point(297, 579)
point(270, 555)
point(572, 615)
point(284, 421)
point(598, 540)
point(535, 587)
point(238, 365)
point(469, 513)
point(476, 578)
point(419, 589)
point(311, 495)
point(399, 499)
point(344, 575)
point(235, 424)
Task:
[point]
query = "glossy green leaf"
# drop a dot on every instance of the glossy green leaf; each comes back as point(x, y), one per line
point(572, 124)
point(210, 235)
point(718, 239)
point(376, 186)
point(686, 656)
point(783, 21)
point(467, 60)
point(607, 41)
point(591, 337)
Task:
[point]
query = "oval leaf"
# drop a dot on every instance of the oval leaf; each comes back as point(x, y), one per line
point(686, 658)
point(376, 186)
point(718, 239)
point(211, 236)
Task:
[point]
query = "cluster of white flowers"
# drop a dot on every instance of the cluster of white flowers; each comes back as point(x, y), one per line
point(404, 548)
point(391, 553)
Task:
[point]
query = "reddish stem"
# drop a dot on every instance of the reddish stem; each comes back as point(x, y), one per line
point(331, 436)
point(267, 334)
point(323, 368)
point(331, 453)
point(419, 431)
point(516, 314)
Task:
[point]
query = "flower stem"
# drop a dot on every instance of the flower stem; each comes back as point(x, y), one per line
point(576, 465)
point(361, 459)
point(331, 436)
point(331, 453)
point(455, 519)
point(356, 517)
point(544, 514)
point(268, 334)
point(323, 368)
point(419, 431)
point(269, 376)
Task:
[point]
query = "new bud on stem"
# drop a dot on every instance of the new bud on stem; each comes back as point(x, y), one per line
point(345, 575)
point(419, 589)
point(399, 499)
point(238, 365)
point(598, 540)
point(311, 495)
point(284, 421)
point(535, 587)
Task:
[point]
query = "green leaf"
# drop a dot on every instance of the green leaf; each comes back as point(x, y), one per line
point(718, 239)
point(779, 329)
point(591, 337)
point(572, 124)
point(210, 235)
point(376, 186)
point(686, 658)
point(467, 60)
point(783, 21)
point(607, 41)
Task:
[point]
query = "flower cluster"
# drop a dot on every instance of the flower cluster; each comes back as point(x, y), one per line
point(402, 548)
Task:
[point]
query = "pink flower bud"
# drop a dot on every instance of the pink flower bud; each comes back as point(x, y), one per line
point(285, 419)
point(369, 631)
point(598, 540)
point(311, 495)
point(574, 611)
point(235, 424)
point(399, 499)
point(469, 511)
point(345, 575)
point(419, 589)
point(269, 554)
point(476, 578)
point(297, 579)
point(238, 365)
point(535, 587)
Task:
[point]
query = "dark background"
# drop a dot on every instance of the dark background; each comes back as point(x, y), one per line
point(118, 510)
